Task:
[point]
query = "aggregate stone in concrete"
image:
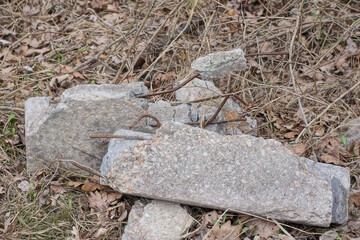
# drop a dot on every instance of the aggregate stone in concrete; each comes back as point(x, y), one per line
point(220, 64)
point(199, 89)
point(157, 220)
point(197, 167)
point(119, 145)
point(59, 129)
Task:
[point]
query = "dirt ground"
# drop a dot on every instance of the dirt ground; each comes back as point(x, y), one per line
point(301, 85)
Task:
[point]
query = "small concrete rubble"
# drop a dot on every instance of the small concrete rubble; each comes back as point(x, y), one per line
point(58, 129)
point(202, 168)
point(220, 64)
point(199, 89)
point(156, 220)
point(353, 132)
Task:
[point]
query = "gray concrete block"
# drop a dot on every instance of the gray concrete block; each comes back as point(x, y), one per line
point(60, 129)
point(156, 220)
point(202, 168)
point(162, 110)
point(220, 64)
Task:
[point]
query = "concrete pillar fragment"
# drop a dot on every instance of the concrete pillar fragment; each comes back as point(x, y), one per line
point(193, 166)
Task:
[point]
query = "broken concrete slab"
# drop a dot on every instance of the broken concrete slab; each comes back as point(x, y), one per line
point(220, 64)
point(199, 89)
point(59, 129)
point(156, 220)
point(240, 173)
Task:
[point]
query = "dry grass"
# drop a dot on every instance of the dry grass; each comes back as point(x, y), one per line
point(302, 100)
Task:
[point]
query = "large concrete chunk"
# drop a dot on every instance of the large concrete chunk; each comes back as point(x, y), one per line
point(202, 168)
point(156, 220)
point(220, 64)
point(60, 129)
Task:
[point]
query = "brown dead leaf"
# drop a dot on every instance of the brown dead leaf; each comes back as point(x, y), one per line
point(12, 58)
point(74, 184)
point(33, 42)
point(311, 73)
point(114, 196)
point(112, 8)
point(100, 233)
point(289, 135)
point(7, 70)
point(225, 231)
point(32, 51)
point(91, 186)
point(354, 198)
point(264, 229)
point(84, 202)
point(56, 81)
point(350, 46)
point(266, 47)
point(299, 149)
point(30, 11)
point(355, 148)
point(232, 12)
point(232, 114)
point(78, 75)
point(332, 159)
point(319, 130)
point(57, 187)
point(210, 218)
point(24, 186)
point(98, 201)
point(341, 64)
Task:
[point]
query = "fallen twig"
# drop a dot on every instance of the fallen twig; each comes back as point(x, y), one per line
point(266, 54)
point(116, 136)
point(144, 116)
point(190, 78)
point(219, 122)
point(217, 111)
point(85, 168)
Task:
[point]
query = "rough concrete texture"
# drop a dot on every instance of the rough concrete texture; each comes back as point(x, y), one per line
point(156, 220)
point(220, 64)
point(162, 110)
point(202, 168)
point(199, 89)
point(119, 145)
point(60, 129)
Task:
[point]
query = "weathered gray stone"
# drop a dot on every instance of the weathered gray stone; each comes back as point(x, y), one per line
point(199, 89)
point(60, 129)
point(156, 220)
point(202, 168)
point(220, 64)
point(353, 132)
point(162, 110)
